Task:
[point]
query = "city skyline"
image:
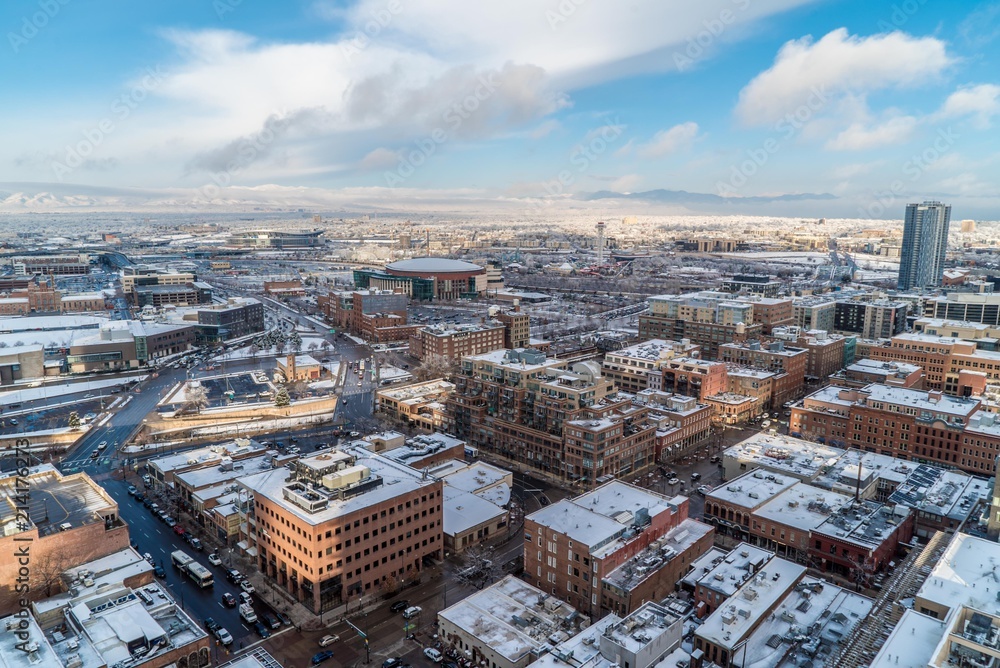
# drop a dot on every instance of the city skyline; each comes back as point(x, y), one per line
point(925, 240)
point(786, 107)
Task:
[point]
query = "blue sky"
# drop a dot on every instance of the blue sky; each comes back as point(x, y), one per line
point(872, 103)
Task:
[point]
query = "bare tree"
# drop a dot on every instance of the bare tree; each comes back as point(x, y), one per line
point(435, 367)
point(196, 398)
point(480, 568)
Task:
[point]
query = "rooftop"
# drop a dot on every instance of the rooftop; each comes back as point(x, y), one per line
point(864, 523)
point(734, 568)
point(967, 574)
point(911, 643)
point(52, 500)
point(435, 265)
point(659, 553)
point(703, 564)
point(464, 511)
point(752, 489)
point(511, 617)
point(421, 447)
point(651, 350)
point(803, 506)
point(937, 491)
point(870, 366)
point(780, 453)
point(733, 621)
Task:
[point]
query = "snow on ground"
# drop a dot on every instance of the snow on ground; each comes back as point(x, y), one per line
point(48, 391)
point(388, 372)
point(244, 352)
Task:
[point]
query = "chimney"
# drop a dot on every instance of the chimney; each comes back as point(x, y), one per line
point(934, 396)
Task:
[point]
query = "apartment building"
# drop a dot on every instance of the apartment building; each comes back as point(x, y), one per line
point(517, 328)
point(689, 376)
point(453, 342)
point(342, 524)
point(630, 367)
point(560, 419)
point(786, 362)
point(814, 313)
point(378, 316)
point(708, 319)
point(880, 318)
point(237, 318)
point(919, 425)
point(417, 405)
point(681, 421)
point(574, 547)
point(769, 312)
point(757, 284)
point(965, 307)
point(954, 366)
point(893, 374)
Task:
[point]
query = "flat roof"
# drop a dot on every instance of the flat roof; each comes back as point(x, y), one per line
point(492, 617)
point(433, 265)
point(463, 511)
point(941, 492)
point(733, 621)
point(657, 555)
point(734, 568)
point(752, 489)
point(53, 500)
point(703, 564)
point(802, 507)
point(911, 643)
point(965, 575)
point(778, 452)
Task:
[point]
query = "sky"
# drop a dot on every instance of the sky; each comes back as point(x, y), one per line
point(854, 107)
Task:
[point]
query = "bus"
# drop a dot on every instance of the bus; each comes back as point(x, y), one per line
point(201, 575)
point(180, 558)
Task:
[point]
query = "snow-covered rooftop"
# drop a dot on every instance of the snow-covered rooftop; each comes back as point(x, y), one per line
point(802, 507)
point(784, 454)
point(911, 643)
point(752, 489)
point(968, 573)
point(658, 554)
point(463, 511)
point(734, 568)
point(498, 617)
point(941, 492)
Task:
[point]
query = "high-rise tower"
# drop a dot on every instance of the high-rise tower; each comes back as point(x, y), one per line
point(600, 243)
point(925, 239)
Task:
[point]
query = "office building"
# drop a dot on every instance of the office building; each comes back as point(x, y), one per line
point(871, 319)
point(925, 240)
point(452, 342)
point(343, 524)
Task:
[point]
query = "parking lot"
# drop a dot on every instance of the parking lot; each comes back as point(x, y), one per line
point(243, 386)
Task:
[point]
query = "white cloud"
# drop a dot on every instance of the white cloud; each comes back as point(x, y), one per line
point(861, 136)
point(815, 73)
point(982, 102)
point(670, 141)
point(855, 169)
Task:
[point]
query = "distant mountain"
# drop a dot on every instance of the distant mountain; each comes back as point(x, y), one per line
point(684, 197)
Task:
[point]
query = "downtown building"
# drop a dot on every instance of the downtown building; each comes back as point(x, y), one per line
point(786, 362)
point(953, 366)
point(563, 420)
point(377, 316)
point(925, 240)
point(630, 368)
point(707, 319)
point(924, 426)
point(453, 342)
point(880, 318)
point(613, 548)
point(342, 524)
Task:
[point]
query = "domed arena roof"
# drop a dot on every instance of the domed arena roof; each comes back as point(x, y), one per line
point(433, 265)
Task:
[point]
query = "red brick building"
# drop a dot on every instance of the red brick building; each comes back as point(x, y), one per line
point(455, 342)
point(787, 362)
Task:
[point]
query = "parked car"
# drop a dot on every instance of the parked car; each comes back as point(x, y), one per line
point(320, 657)
point(393, 662)
point(147, 502)
point(285, 619)
point(223, 636)
point(412, 612)
point(399, 606)
point(179, 530)
point(326, 641)
point(271, 620)
point(704, 489)
point(132, 490)
point(246, 586)
point(214, 559)
point(196, 544)
point(433, 654)
point(715, 459)
point(212, 625)
point(229, 600)
point(234, 576)
point(159, 572)
point(245, 598)
point(695, 476)
point(171, 522)
point(262, 630)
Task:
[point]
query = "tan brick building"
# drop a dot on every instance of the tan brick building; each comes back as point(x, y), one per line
point(440, 342)
point(343, 524)
point(786, 362)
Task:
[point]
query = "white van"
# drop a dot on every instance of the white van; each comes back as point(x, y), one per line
point(247, 613)
point(412, 612)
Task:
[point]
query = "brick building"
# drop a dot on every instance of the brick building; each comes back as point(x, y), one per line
point(952, 365)
point(769, 312)
point(630, 367)
point(375, 315)
point(826, 353)
point(681, 422)
point(871, 319)
point(63, 521)
point(708, 319)
point(581, 549)
point(918, 425)
point(517, 328)
point(418, 405)
point(689, 376)
point(343, 524)
point(452, 342)
point(560, 419)
point(866, 372)
point(786, 362)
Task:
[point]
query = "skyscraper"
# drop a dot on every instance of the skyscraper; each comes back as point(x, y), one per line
point(925, 239)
